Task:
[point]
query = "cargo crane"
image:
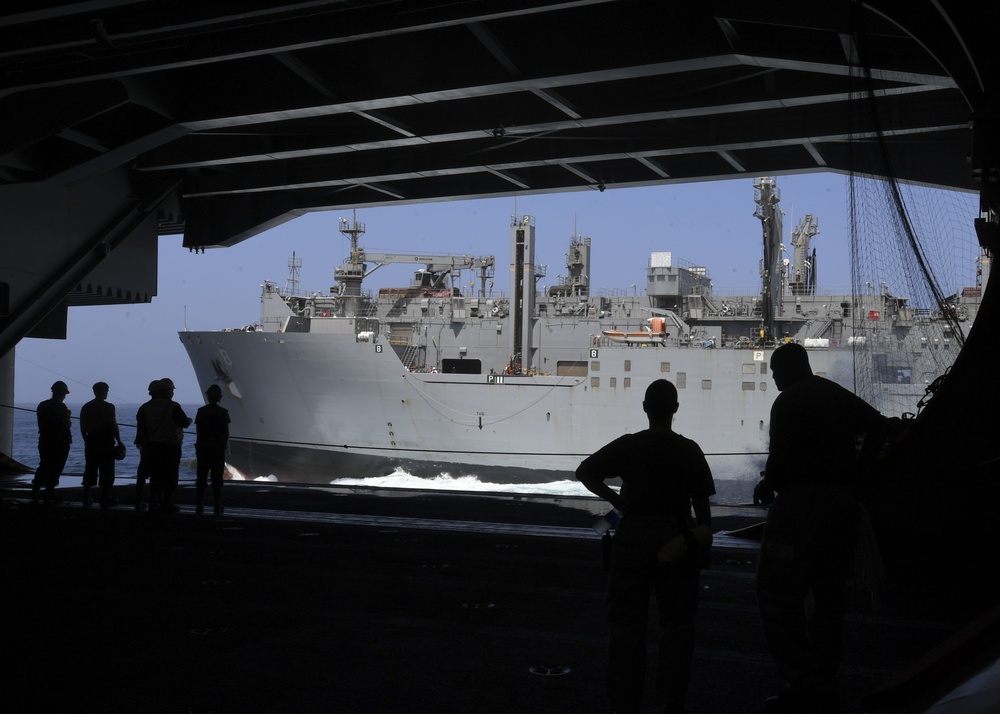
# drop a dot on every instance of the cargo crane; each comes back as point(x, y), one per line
point(436, 271)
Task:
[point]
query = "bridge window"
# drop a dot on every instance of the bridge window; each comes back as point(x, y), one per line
point(706, 384)
point(682, 380)
point(664, 366)
point(749, 386)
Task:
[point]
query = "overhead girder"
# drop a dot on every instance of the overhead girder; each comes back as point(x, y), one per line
point(260, 115)
point(368, 104)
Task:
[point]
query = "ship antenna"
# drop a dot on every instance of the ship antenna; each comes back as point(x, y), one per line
point(352, 231)
point(294, 268)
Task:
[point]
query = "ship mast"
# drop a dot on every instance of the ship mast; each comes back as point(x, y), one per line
point(767, 196)
point(350, 273)
point(294, 271)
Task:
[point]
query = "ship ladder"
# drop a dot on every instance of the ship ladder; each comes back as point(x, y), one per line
point(410, 356)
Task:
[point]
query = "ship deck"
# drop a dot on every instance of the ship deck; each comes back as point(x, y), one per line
point(351, 600)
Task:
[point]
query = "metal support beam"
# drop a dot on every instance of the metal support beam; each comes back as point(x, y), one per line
point(36, 305)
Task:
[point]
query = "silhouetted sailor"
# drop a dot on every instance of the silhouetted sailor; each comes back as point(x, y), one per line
point(212, 441)
point(54, 439)
point(142, 470)
point(160, 425)
point(99, 427)
point(812, 527)
point(655, 548)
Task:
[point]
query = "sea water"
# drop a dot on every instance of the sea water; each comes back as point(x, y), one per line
point(25, 451)
point(734, 482)
point(25, 445)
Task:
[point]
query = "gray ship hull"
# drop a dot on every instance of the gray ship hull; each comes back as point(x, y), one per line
point(314, 407)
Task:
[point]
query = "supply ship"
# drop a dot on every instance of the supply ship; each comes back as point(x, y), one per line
point(519, 385)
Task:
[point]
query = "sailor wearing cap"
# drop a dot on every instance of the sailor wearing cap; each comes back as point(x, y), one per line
point(99, 428)
point(142, 471)
point(160, 425)
point(54, 439)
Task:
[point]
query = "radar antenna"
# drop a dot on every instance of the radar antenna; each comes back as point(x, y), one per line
point(294, 272)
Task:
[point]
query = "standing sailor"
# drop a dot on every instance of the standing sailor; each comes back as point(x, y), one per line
point(54, 439)
point(665, 478)
point(812, 527)
point(212, 428)
point(160, 425)
point(99, 427)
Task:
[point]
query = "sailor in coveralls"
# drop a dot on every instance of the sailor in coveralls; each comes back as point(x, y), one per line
point(664, 477)
point(812, 528)
point(54, 439)
point(160, 425)
point(212, 429)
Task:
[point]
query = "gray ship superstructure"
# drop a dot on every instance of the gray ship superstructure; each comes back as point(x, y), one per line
point(441, 376)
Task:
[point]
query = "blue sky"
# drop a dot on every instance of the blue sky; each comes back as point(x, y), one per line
point(708, 224)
